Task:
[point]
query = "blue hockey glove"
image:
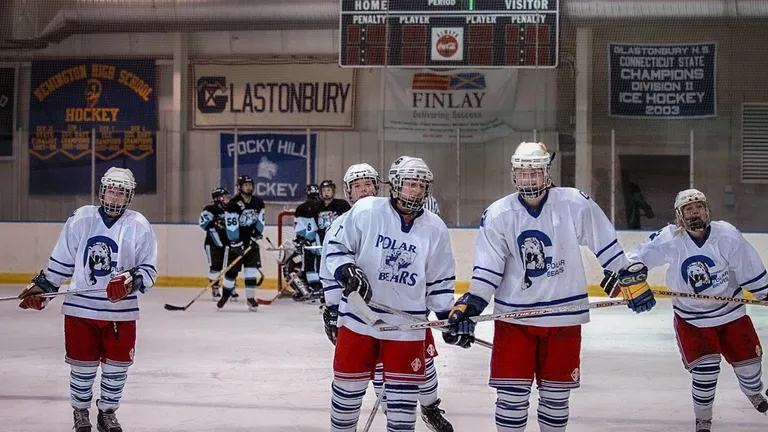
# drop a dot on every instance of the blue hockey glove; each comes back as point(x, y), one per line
point(462, 328)
point(633, 282)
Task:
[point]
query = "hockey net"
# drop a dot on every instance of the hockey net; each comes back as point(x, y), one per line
point(285, 232)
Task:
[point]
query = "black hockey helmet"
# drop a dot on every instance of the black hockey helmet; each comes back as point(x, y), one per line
point(219, 192)
point(328, 184)
point(243, 179)
point(313, 191)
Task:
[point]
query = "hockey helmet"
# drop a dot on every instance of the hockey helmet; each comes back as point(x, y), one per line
point(313, 191)
point(698, 222)
point(243, 180)
point(325, 184)
point(219, 194)
point(116, 191)
point(529, 160)
point(357, 172)
point(409, 168)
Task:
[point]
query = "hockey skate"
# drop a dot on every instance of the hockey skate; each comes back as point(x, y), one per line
point(107, 422)
point(82, 420)
point(225, 295)
point(253, 305)
point(759, 402)
point(433, 418)
point(215, 293)
point(703, 425)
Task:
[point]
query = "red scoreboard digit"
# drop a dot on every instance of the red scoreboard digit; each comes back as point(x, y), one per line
point(449, 33)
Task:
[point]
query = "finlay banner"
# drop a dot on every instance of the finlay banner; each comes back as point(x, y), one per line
point(672, 81)
point(273, 96)
point(428, 106)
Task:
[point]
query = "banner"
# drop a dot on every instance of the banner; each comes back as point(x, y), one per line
point(273, 96)
point(69, 99)
point(427, 106)
point(674, 81)
point(7, 102)
point(276, 161)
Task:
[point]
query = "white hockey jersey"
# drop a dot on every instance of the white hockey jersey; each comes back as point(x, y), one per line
point(91, 249)
point(410, 267)
point(722, 263)
point(331, 289)
point(530, 259)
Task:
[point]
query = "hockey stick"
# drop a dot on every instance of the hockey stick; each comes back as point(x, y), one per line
point(410, 317)
point(710, 298)
point(171, 307)
point(59, 293)
point(277, 249)
point(280, 292)
point(507, 315)
point(373, 411)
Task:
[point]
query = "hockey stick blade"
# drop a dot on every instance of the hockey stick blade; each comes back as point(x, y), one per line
point(170, 307)
point(366, 314)
point(507, 315)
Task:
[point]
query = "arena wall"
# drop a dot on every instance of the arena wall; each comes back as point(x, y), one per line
point(181, 259)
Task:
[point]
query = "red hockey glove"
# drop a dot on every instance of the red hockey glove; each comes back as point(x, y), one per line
point(30, 296)
point(119, 287)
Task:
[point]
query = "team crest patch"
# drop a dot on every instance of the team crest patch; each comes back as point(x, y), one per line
point(416, 365)
point(431, 350)
point(99, 259)
point(758, 351)
point(575, 375)
point(131, 353)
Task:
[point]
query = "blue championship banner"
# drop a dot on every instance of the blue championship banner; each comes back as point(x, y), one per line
point(7, 86)
point(672, 81)
point(69, 100)
point(276, 161)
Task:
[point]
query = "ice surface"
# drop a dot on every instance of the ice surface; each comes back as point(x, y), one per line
point(234, 370)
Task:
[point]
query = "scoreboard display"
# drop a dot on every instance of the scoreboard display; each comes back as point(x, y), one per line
point(449, 33)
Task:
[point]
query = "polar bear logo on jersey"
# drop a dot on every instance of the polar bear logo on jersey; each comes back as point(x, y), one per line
point(99, 260)
point(394, 261)
point(698, 276)
point(532, 251)
point(266, 169)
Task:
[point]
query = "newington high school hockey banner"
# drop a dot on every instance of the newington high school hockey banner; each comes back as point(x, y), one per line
point(293, 96)
point(69, 100)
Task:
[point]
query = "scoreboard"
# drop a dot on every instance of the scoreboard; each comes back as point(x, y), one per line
point(449, 33)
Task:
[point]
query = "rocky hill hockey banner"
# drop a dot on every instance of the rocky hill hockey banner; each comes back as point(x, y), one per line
point(273, 96)
point(428, 106)
point(276, 161)
point(674, 81)
point(69, 99)
point(7, 102)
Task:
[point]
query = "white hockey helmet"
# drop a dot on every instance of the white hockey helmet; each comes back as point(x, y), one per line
point(357, 172)
point(117, 183)
point(409, 168)
point(686, 197)
point(531, 157)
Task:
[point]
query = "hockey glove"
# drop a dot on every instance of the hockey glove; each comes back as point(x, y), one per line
point(352, 278)
point(124, 284)
point(610, 284)
point(462, 328)
point(30, 296)
point(330, 322)
point(633, 282)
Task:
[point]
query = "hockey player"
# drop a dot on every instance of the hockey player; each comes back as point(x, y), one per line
point(329, 208)
point(305, 227)
point(244, 217)
point(407, 254)
point(710, 258)
point(108, 247)
point(527, 254)
point(360, 181)
point(216, 241)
